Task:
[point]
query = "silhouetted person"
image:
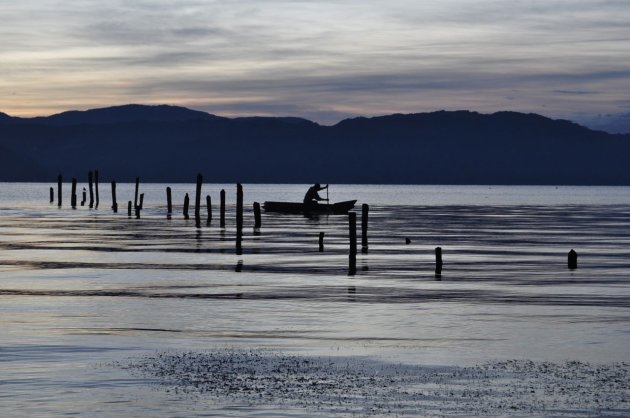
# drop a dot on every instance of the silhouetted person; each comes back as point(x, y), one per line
point(312, 197)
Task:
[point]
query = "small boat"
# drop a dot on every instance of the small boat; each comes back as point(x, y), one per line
point(338, 208)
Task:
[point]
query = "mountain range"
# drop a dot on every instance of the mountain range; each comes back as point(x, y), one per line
point(172, 144)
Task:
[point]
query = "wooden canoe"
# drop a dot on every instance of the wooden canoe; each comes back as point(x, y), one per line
point(292, 207)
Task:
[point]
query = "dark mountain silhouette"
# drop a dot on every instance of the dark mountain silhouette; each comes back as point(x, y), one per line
point(164, 143)
point(119, 114)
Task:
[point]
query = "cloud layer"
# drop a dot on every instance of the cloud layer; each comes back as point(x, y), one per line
point(324, 60)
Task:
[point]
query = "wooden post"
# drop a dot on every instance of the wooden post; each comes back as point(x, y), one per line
point(135, 197)
point(114, 202)
point(141, 205)
point(321, 242)
point(239, 218)
point(222, 209)
point(129, 208)
point(438, 262)
point(96, 187)
point(572, 260)
point(198, 197)
point(169, 203)
point(239, 242)
point(138, 209)
point(257, 217)
point(239, 206)
point(52, 194)
point(91, 186)
point(73, 195)
point(186, 203)
point(352, 229)
point(84, 198)
point(209, 205)
point(364, 228)
point(59, 180)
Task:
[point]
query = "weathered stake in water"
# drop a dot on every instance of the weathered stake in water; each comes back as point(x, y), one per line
point(239, 219)
point(364, 228)
point(209, 206)
point(257, 216)
point(438, 262)
point(73, 195)
point(135, 196)
point(222, 209)
point(84, 197)
point(129, 208)
point(198, 198)
point(96, 187)
point(239, 206)
point(139, 207)
point(114, 202)
point(352, 229)
point(91, 186)
point(186, 203)
point(572, 262)
point(59, 179)
point(321, 242)
point(52, 194)
point(169, 203)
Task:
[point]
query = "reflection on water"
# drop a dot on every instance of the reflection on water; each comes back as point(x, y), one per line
point(84, 287)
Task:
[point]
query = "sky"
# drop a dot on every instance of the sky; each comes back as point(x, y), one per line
point(322, 60)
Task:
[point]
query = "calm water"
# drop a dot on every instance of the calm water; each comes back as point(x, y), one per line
point(80, 289)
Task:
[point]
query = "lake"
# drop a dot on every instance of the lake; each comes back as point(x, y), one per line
point(82, 291)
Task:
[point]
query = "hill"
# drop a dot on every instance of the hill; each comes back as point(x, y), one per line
point(165, 143)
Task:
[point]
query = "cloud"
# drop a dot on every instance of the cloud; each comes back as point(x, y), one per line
point(325, 58)
point(574, 92)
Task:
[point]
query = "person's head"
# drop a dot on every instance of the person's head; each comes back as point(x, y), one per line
point(317, 185)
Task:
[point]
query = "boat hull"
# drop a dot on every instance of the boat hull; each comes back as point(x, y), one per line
point(338, 208)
